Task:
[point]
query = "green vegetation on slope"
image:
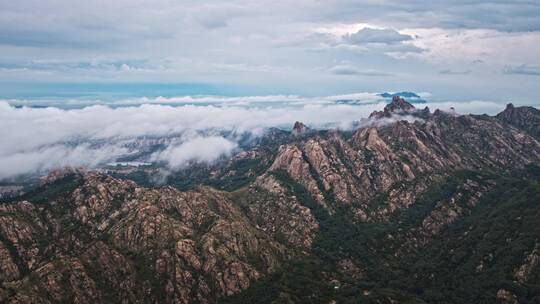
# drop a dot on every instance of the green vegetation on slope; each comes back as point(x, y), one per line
point(466, 263)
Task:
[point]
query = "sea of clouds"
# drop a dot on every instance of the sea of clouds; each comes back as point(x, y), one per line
point(38, 139)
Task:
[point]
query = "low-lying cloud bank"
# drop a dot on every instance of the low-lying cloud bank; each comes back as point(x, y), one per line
point(43, 159)
point(40, 139)
point(196, 150)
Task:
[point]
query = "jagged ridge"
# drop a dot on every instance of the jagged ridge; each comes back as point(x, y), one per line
point(326, 208)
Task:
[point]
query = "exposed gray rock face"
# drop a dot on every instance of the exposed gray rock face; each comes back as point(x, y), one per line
point(107, 234)
point(291, 159)
point(506, 297)
point(397, 106)
point(299, 128)
point(526, 118)
point(275, 212)
point(532, 260)
point(400, 159)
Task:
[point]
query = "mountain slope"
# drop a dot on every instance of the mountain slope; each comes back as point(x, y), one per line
point(398, 161)
point(414, 206)
point(484, 253)
point(87, 238)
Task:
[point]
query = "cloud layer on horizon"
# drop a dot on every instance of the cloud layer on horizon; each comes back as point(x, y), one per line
point(40, 139)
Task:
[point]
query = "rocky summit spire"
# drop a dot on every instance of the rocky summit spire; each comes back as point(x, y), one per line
point(509, 106)
point(526, 118)
point(398, 105)
point(299, 128)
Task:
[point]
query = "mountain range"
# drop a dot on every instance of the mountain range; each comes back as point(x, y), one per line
point(414, 206)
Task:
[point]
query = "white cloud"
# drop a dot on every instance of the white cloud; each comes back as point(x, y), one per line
point(471, 107)
point(461, 47)
point(210, 99)
point(368, 38)
point(46, 158)
point(195, 150)
point(346, 69)
point(39, 139)
point(371, 35)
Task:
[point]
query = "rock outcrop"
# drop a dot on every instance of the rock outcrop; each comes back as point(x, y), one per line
point(397, 106)
point(526, 118)
point(146, 245)
point(299, 129)
point(399, 161)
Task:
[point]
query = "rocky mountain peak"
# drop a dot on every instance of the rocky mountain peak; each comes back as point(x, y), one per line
point(60, 174)
point(513, 112)
point(526, 118)
point(398, 105)
point(299, 128)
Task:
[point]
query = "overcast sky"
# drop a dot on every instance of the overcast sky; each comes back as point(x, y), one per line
point(259, 64)
point(455, 50)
